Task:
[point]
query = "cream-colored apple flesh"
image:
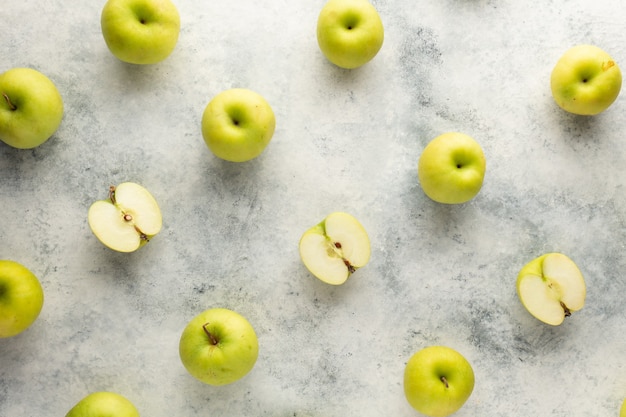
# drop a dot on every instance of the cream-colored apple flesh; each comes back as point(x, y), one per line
point(335, 248)
point(127, 219)
point(551, 287)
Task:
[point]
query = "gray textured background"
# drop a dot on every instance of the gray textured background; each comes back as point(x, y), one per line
point(345, 140)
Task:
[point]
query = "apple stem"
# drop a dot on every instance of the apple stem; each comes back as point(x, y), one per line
point(112, 194)
point(212, 338)
point(445, 381)
point(567, 310)
point(8, 100)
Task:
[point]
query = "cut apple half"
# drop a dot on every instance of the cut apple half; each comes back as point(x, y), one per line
point(127, 220)
point(335, 248)
point(551, 287)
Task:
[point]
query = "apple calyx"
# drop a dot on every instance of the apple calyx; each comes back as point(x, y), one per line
point(212, 339)
point(336, 246)
point(126, 216)
point(12, 106)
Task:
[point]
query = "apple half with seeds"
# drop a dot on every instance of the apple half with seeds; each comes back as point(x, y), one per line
point(335, 248)
point(551, 287)
point(127, 220)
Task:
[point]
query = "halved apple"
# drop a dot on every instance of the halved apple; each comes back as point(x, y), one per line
point(551, 287)
point(335, 248)
point(127, 220)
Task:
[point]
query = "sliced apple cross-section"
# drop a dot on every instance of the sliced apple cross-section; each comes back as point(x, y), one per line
point(335, 248)
point(127, 220)
point(551, 287)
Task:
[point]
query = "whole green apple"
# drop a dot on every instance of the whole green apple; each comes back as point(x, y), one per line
point(238, 124)
point(31, 108)
point(103, 404)
point(585, 80)
point(349, 32)
point(451, 168)
point(218, 346)
point(21, 298)
point(438, 380)
point(140, 31)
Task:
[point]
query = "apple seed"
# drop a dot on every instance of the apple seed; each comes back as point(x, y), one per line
point(8, 100)
point(212, 338)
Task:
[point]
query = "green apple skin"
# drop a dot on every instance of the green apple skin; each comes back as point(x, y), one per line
point(218, 346)
point(622, 412)
point(21, 298)
point(451, 169)
point(103, 404)
point(585, 80)
point(349, 32)
point(238, 124)
point(140, 31)
point(438, 380)
point(31, 108)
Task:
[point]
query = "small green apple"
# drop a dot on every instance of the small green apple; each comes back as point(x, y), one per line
point(218, 346)
point(31, 108)
point(127, 220)
point(103, 404)
point(585, 80)
point(551, 287)
point(21, 298)
point(140, 31)
point(349, 32)
point(622, 412)
point(238, 124)
point(335, 248)
point(451, 168)
point(438, 380)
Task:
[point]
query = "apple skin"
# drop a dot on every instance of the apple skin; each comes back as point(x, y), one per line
point(103, 404)
point(585, 80)
point(424, 384)
point(218, 346)
point(622, 412)
point(31, 108)
point(21, 298)
point(238, 124)
point(140, 31)
point(451, 169)
point(349, 32)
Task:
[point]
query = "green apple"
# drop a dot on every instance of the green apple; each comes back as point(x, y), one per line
point(585, 80)
point(438, 380)
point(622, 412)
point(451, 168)
point(140, 31)
point(551, 287)
point(218, 346)
point(31, 108)
point(238, 124)
point(335, 248)
point(103, 404)
point(21, 298)
point(349, 32)
point(127, 220)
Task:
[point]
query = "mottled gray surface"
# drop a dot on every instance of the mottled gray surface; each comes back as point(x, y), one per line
point(345, 140)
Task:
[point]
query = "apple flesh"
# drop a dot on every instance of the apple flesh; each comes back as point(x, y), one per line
point(349, 32)
point(551, 287)
point(218, 347)
point(127, 220)
point(438, 381)
point(585, 80)
point(140, 31)
point(238, 124)
point(21, 298)
point(335, 248)
point(451, 168)
point(31, 108)
point(103, 404)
